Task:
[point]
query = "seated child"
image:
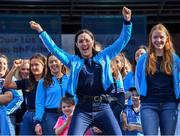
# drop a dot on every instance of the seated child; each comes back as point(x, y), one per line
point(131, 122)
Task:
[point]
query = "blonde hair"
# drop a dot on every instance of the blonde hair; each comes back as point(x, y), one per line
point(17, 74)
point(115, 73)
point(127, 67)
point(167, 55)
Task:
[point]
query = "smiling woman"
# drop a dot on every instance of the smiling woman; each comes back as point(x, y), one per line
point(5, 97)
point(90, 77)
point(23, 71)
point(84, 44)
point(157, 79)
point(28, 86)
point(50, 90)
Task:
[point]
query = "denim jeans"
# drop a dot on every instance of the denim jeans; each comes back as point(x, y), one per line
point(100, 115)
point(27, 127)
point(163, 115)
point(178, 122)
point(12, 124)
point(48, 123)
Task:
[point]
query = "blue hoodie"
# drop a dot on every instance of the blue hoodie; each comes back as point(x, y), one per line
point(75, 63)
point(140, 75)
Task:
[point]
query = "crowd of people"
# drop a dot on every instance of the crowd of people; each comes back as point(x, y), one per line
point(95, 91)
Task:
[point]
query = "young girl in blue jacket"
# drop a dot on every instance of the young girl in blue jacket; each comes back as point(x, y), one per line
point(90, 77)
point(50, 90)
point(158, 83)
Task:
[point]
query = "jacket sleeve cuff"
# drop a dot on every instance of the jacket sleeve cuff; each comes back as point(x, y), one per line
point(37, 122)
point(126, 22)
point(40, 32)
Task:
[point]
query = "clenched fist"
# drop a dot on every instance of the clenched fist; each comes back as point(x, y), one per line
point(126, 14)
point(35, 26)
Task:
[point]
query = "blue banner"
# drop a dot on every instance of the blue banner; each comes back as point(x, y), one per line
point(18, 40)
point(107, 28)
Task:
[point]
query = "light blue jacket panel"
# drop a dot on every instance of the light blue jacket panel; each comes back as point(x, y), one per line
point(128, 81)
point(120, 84)
point(140, 75)
point(16, 102)
point(4, 125)
point(49, 97)
point(75, 63)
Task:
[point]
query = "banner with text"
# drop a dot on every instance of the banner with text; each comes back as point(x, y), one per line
point(18, 40)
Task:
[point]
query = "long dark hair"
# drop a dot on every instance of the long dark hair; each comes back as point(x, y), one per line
point(77, 52)
point(32, 79)
point(48, 77)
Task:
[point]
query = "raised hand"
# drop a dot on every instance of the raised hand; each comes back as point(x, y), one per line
point(35, 26)
point(126, 14)
point(17, 63)
point(38, 130)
